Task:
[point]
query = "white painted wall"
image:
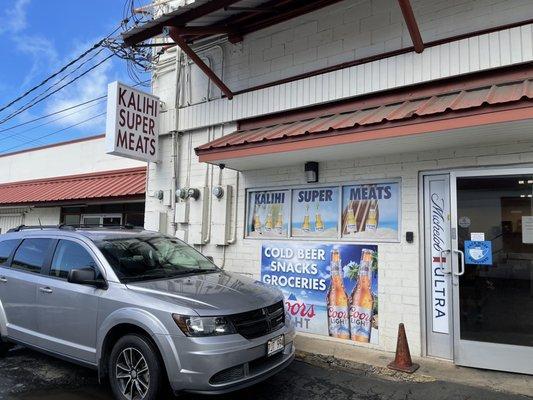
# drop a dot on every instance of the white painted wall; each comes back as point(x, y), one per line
point(64, 159)
point(11, 217)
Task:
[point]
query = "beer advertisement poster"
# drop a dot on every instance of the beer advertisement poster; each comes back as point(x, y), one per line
point(315, 212)
point(329, 289)
point(371, 211)
point(268, 214)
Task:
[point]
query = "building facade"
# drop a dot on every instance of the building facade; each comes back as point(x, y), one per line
point(72, 182)
point(350, 160)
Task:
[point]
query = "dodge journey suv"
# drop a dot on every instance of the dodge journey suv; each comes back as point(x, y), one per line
point(141, 308)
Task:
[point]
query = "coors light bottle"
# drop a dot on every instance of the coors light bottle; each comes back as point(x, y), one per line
point(362, 300)
point(337, 299)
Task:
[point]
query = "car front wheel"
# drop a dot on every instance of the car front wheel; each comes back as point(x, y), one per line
point(134, 369)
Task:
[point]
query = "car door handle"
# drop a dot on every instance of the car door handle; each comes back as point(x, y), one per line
point(3, 279)
point(45, 290)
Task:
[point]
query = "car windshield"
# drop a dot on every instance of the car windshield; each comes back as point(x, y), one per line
point(152, 257)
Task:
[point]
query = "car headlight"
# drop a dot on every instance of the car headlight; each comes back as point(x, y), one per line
point(204, 326)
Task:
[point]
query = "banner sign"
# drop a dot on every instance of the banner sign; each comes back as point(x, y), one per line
point(315, 212)
point(330, 289)
point(268, 214)
point(478, 253)
point(371, 211)
point(132, 126)
point(440, 258)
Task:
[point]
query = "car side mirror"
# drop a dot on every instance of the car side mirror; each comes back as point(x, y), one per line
point(86, 276)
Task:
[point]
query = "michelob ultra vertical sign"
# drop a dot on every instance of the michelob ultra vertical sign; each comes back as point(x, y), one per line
point(330, 289)
point(439, 231)
point(132, 126)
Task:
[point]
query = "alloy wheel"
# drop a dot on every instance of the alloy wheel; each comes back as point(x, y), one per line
point(132, 374)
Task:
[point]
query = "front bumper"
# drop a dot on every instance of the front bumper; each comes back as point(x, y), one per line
point(223, 364)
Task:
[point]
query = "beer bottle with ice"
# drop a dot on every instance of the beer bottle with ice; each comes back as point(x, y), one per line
point(319, 223)
point(306, 225)
point(372, 219)
point(337, 300)
point(257, 222)
point(362, 300)
point(279, 221)
point(269, 222)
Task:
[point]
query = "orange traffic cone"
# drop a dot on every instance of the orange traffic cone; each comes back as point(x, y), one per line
point(402, 361)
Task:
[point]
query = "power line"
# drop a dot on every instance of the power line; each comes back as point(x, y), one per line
point(53, 133)
point(51, 114)
point(62, 69)
point(95, 46)
point(28, 106)
point(61, 111)
point(14, 135)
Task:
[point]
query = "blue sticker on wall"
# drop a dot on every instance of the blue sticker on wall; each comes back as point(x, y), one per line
point(478, 253)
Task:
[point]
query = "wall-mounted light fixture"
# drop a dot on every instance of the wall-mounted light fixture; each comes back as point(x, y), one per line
point(311, 171)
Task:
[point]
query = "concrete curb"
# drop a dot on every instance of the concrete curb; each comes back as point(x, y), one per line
point(335, 354)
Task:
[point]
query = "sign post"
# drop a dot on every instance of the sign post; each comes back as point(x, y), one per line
point(132, 126)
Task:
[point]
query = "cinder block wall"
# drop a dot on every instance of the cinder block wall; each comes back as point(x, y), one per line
point(355, 29)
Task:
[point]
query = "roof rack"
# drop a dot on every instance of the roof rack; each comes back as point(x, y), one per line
point(73, 227)
point(41, 227)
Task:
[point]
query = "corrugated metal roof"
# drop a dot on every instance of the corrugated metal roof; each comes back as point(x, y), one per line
point(108, 184)
point(398, 111)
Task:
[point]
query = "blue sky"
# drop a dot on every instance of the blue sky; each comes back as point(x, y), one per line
point(37, 38)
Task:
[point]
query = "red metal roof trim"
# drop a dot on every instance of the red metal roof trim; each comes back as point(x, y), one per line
point(438, 104)
point(108, 184)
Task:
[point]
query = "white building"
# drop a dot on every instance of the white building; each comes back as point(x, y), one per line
point(72, 182)
point(418, 152)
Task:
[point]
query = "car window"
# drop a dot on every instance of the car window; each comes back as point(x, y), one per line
point(6, 248)
point(31, 254)
point(152, 257)
point(70, 255)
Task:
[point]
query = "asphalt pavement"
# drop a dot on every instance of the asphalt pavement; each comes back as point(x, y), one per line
point(27, 375)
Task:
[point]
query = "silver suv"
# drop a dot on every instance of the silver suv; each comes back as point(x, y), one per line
point(141, 308)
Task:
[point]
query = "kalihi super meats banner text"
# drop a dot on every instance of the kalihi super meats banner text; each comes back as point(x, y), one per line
point(330, 289)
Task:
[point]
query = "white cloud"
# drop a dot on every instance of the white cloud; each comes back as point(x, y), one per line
point(41, 51)
point(14, 17)
point(90, 86)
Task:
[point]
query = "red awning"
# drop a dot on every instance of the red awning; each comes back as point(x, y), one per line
point(375, 120)
point(125, 183)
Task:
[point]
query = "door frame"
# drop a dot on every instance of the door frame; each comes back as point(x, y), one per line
point(466, 352)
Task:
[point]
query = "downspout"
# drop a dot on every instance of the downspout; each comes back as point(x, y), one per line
point(175, 144)
point(235, 211)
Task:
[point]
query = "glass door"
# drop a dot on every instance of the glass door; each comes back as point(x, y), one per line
point(492, 269)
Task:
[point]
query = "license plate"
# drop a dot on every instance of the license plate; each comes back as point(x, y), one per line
point(275, 345)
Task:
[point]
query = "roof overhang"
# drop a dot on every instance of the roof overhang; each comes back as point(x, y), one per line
point(234, 19)
point(124, 184)
point(417, 117)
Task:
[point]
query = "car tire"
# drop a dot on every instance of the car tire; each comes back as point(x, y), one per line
point(135, 370)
